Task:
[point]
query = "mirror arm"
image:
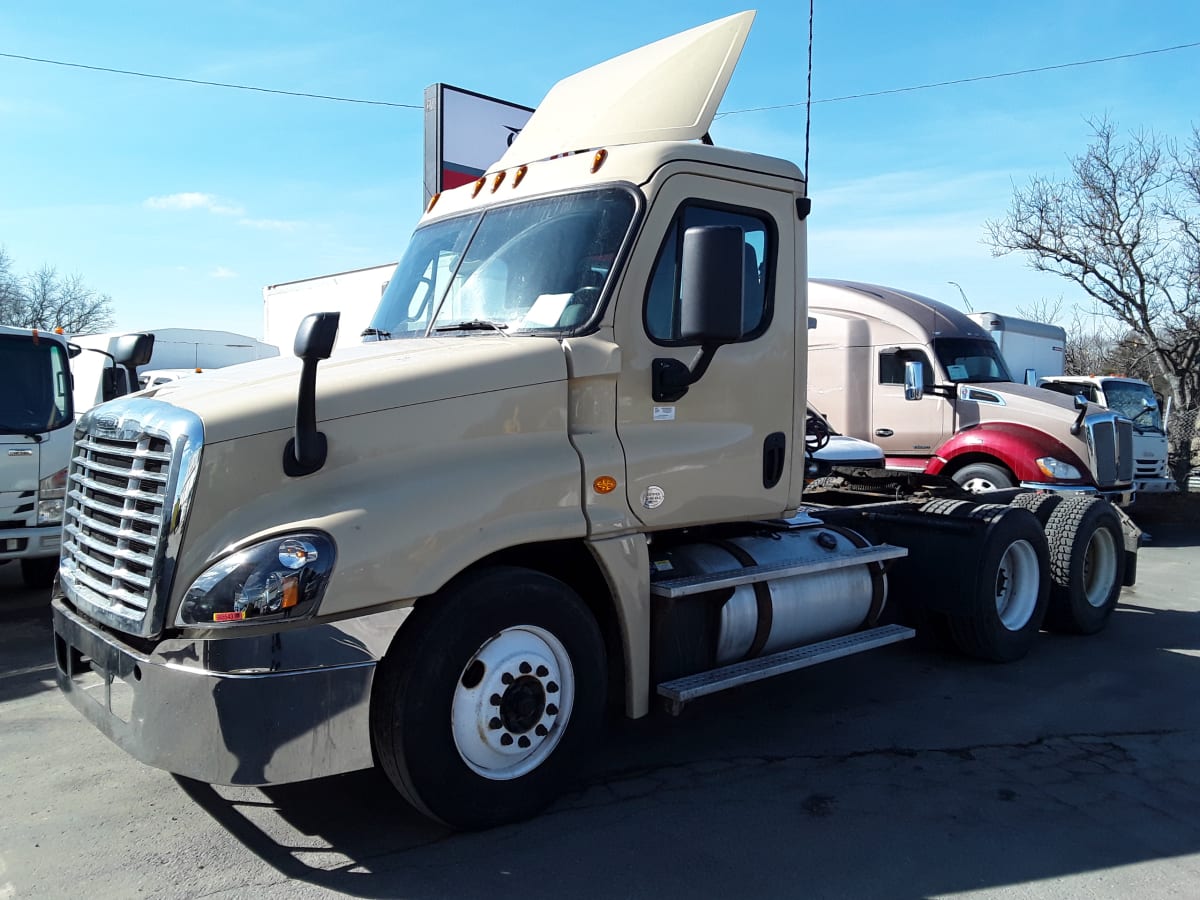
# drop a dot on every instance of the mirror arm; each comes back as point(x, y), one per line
point(671, 378)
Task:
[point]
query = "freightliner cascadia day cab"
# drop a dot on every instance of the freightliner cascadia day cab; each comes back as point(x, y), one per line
point(972, 422)
point(37, 410)
point(582, 487)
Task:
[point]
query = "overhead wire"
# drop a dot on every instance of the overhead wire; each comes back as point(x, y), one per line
point(808, 102)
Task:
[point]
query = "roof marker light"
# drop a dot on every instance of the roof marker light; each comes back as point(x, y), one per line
point(497, 181)
point(519, 175)
point(478, 186)
point(433, 201)
point(598, 160)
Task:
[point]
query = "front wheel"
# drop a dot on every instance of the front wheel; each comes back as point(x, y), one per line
point(489, 697)
point(983, 478)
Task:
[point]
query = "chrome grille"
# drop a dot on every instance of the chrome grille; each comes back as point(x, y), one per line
point(1110, 438)
point(128, 491)
point(113, 518)
point(1150, 468)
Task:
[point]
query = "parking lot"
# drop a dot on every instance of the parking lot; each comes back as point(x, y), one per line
point(902, 773)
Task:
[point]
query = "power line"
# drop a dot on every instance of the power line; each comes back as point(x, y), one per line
point(937, 84)
point(221, 84)
point(732, 112)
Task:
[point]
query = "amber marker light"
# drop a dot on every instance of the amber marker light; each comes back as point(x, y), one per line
point(598, 160)
point(519, 175)
point(479, 186)
point(497, 181)
point(433, 201)
point(291, 592)
point(605, 484)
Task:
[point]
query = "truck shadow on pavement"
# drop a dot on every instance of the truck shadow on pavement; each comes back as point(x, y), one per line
point(910, 774)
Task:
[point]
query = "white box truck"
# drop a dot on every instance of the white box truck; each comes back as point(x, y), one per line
point(582, 486)
point(1026, 345)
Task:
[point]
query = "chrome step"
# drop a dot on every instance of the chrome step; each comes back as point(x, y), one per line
point(682, 690)
point(822, 562)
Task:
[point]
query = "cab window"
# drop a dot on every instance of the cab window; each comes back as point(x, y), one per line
point(662, 295)
point(891, 366)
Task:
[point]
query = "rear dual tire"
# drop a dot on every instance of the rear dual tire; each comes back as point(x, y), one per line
point(1087, 565)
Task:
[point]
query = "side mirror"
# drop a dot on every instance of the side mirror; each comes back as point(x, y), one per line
point(710, 284)
point(711, 296)
point(305, 453)
point(914, 380)
point(133, 350)
point(1081, 404)
point(1031, 377)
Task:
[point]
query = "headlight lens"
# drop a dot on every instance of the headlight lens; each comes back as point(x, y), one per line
point(1057, 469)
point(282, 578)
point(51, 491)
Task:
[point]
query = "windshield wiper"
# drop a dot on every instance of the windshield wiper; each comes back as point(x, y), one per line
point(376, 333)
point(474, 325)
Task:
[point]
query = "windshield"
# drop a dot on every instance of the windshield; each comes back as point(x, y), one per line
point(524, 268)
point(37, 390)
point(971, 359)
point(1134, 401)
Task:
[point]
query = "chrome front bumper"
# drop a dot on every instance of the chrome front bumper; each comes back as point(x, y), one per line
point(281, 707)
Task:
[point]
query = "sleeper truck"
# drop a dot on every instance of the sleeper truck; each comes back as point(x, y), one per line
point(973, 423)
point(45, 378)
point(579, 491)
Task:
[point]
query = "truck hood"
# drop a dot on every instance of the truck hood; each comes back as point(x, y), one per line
point(260, 397)
point(1019, 403)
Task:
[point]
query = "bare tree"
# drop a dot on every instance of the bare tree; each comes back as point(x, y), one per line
point(1125, 227)
point(45, 299)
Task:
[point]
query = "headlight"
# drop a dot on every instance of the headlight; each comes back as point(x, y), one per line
point(282, 578)
point(1057, 469)
point(51, 491)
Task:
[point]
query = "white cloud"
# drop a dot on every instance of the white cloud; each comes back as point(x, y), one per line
point(194, 200)
point(222, 272)
point(270, 224)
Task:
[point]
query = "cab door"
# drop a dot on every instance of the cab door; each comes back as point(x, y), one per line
point(722, 451)
point(907, 428)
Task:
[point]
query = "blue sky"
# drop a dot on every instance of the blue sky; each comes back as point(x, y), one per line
point(183, 201)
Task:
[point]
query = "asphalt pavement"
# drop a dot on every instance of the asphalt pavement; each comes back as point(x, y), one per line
point(900, 773)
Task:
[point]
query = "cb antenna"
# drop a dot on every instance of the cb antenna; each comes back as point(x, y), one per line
point(808, 100)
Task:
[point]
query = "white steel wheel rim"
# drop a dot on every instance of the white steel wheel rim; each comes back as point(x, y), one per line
point(1099, 567)
point(1017, 585)
point(979, 485)
point(512, 702)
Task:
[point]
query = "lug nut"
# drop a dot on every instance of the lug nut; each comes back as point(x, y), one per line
point(523, 741)
point(552, 687)
point(506, 678)
point(495, 724)
point(551, 709)
point(526, 668)
point(542, 671)
point(541, 731)
point(495, 699)
point(506, 739)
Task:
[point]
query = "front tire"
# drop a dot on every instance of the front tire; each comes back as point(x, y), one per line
point(489, 697)
point(983, 478)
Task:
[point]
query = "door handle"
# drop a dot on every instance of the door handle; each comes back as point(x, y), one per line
point(884, 432)
point(774, 457)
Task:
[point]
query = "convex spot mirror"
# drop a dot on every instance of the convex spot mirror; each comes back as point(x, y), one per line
point(914, 380)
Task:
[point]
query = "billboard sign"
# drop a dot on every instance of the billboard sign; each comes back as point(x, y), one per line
point(465, 132)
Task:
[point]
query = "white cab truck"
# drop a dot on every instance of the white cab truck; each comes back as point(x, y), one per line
point(972, 423)
point(1137, 401)
point(1036, 353)
point(583, 487)
point(42, 375)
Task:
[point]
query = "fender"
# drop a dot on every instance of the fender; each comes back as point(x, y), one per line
point(1017, 446)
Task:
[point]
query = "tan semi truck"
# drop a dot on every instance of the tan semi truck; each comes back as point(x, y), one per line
point(972, 423)
point(580, 489)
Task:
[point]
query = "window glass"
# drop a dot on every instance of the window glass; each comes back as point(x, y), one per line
point(1134, 401)
point(891, 366)
point(971, 359)
point(526, 267)
point(37, 385)
point(662, 294)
